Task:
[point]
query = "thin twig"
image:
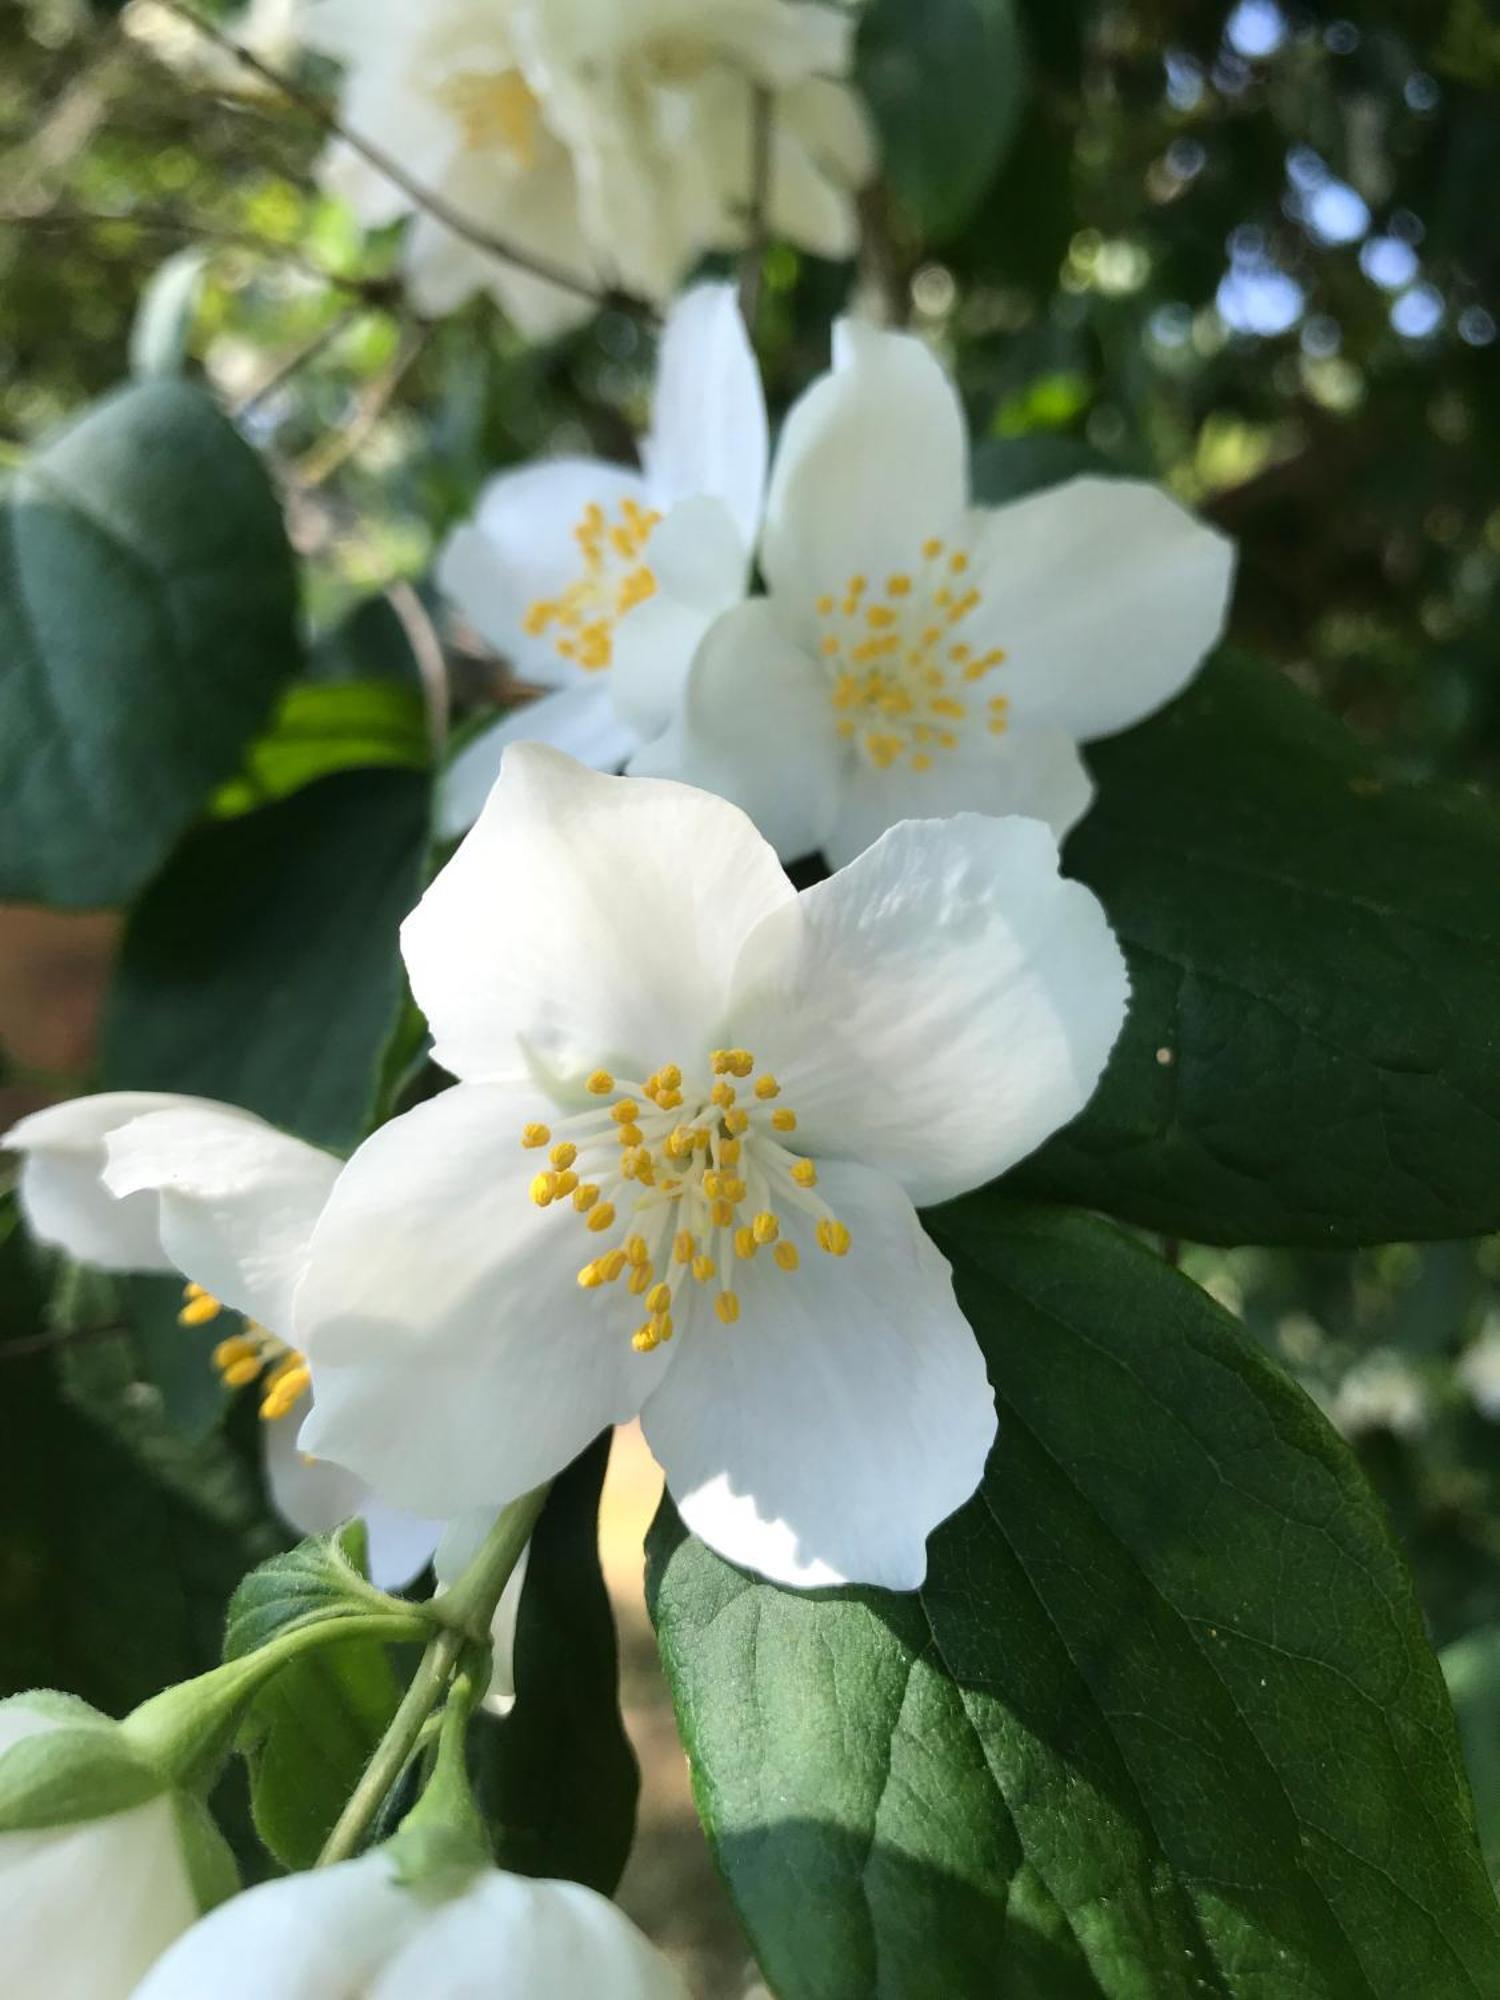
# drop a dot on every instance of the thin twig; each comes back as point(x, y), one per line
point(436, 205)
point(753, 263)
point(320, 465)
point(55, 1343)
point(290, 364)
point(432, 662)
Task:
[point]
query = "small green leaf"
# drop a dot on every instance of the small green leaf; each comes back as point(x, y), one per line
point(263, 966)
point(1312, 1052)
point(164, 318)
point(556, 1779)
point(323, 1578)
point(147, 616)
point(1162, 1722)
point(946, 82)
point(325, 726)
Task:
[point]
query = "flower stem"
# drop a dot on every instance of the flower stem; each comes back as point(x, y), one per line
point(465, 1613)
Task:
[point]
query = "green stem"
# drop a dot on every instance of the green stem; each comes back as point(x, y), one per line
point(465, 1613)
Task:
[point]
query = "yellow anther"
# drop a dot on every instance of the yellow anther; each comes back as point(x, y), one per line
point(745, 1244)
point(736, 1123)
point(729, 1152)
point(723, 1094)
point(566, 1183)
point(958, 563)
point(601, 1083)
point(831, 645)
point(702, 1138)
point(944, 704)
point(636, 1251)
point(662, 1326)
point(731, 1187)
point(541, 1189)
point(858, 585)
point(613, 1265)
point(732, 1062)
point(591, 1277)
point(683, 1246)
point(727, 1306)
point(191, 1290)
point(833, 1237)
point(641, 1279)
point(825, 607)
point(669, 1078)
point(898, 586)
point(722, 1213)
point(645, 1339)
point(921, 761)
point(533, 1136)
point(199, 1311)
point(766, 1227)
point(784, 1120)
point(659, 1298)
point(805, 1174)
point(584, 1197)
point(767, 1086)
point(703, 1269)
point(932, 550)
point(625, 1112)
point(669, 1099)
point(786, 1256)
point(236, 1349)
point(630, 1135)
point(284, 1387)
point(997, 725)
point(880, 618)
point(712, 1184)
point(563, 1156)
point(241, 1373)
point(680, 1142)
point(602, 1217)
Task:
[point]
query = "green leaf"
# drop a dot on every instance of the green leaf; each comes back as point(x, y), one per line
point(323, 727)
point(164, 319)
point(263, 967)
point(147, 616)
point(1472, 1668)
point(1162, 1722)
point(556, 1779)
point(313, 1728)
point(946, 82)
point(1312, 1052)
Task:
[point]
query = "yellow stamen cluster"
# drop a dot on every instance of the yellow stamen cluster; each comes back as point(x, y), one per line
point(614, 581)
point(899, 661)
point(698, 1181)
point(250, 1355)
point(497, 112)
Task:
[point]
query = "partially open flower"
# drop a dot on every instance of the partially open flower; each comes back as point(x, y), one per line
point(561, 555)
point(678, 1176)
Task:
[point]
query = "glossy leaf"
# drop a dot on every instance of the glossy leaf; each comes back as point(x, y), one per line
point(323, 727)
point(147, 617)
point(1163, 1721)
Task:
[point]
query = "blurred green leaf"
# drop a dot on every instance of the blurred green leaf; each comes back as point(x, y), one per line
point(946, 82)
point(1162, 1721)
point(1312, 1051)
point(147, 616)
point(263, 967)
point(164, 320)
point(322, 727)
point(556, 1779)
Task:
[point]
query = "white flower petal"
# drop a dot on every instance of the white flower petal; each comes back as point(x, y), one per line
point(872, 461)
point(520, 550)
point(757, 727)
point(709, 432)
point(63, 1197)
point(1036, 773)
point(582, 721)
point(456, 1363)
point(460, 1543)
point(939, 1007)
point(586, 920)
point(1106, 595)
point(699, 561)
point(832, 124)
point(313, 1495)
point(238, 1201)
point(822, 1438)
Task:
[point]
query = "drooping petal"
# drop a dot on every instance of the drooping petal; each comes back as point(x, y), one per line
point(238, 1201)
point(872, 462)
point(940, 1006)
point(63, 1197)
point(520, 550)
point(709, 432)
point(700, 565)
point(313, 1495)
point(460, 1542)
point(586, 920)
point(582, 721)
point(1036, 773)
point(822, 1438)
point(1106, 595)
point(757, 727)
point(456, 1364)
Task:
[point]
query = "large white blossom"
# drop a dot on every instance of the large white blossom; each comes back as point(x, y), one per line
point(86, 1906)
point(357, 1928)
point(559, 555)
point(678, 1175)
point(918, 655)
point(614, 138)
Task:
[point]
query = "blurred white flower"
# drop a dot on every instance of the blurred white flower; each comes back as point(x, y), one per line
point(678, 1176)
point(613, 138)
point(356, 1928)
point(1479, 1369)
point(918, 655)
point(1380, 1393)
point(560, 555)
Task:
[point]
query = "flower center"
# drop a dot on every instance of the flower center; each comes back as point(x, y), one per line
point(249, 1355)
point(614, 581)
point(496, 111)
point(904, 678)
point(683, 1186)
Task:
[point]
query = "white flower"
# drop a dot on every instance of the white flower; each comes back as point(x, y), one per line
point(560, 553)
point(146, 1181)
point(677, 1177)
point(918, 655)
point(612, 138)
point(355, 1928)
point(86, 1906)
point(1478, 1369)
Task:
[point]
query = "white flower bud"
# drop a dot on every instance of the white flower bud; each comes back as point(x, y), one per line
point(96, 1878)
point(357, 1928)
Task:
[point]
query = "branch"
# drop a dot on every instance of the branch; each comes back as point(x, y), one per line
point(436, 205)
point(753, 263)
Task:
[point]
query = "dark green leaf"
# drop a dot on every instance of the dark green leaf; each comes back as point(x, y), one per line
point(556, 1779)
point(1312, 1053)
point(147, 616)
point(1162, 1722)
point(263, 966)
point(1472, 1669)
point(322, 1579)
point(946, 81)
